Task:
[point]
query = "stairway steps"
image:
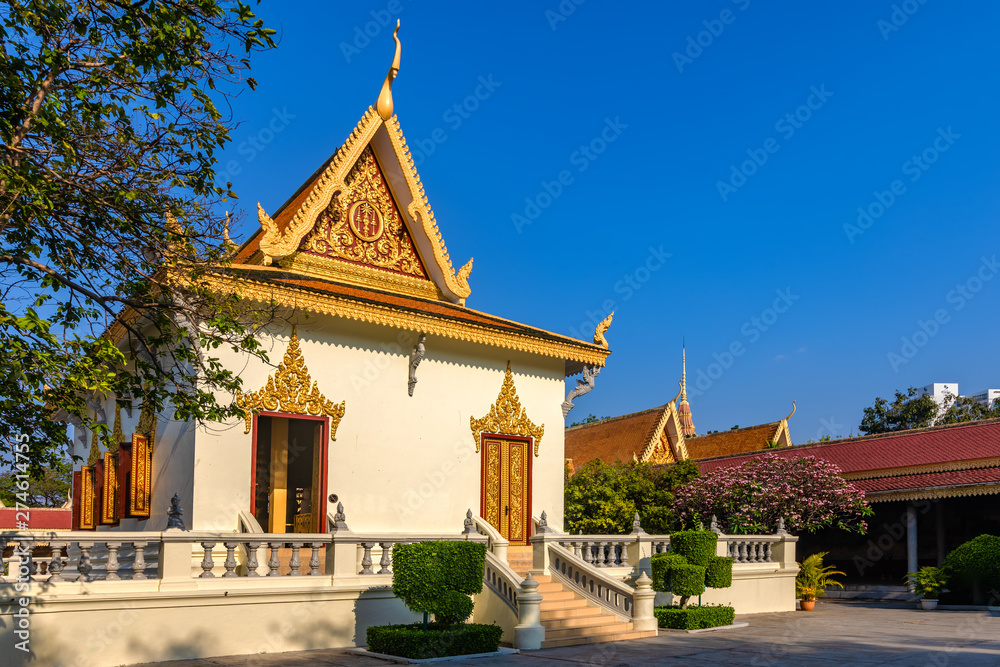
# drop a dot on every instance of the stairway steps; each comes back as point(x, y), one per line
point(575, 603)
point(596, 639)
point(588, 631)
point(580, 621)
point(578, 612)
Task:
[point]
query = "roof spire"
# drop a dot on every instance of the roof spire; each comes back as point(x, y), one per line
point(384, 104)
point(684, 410)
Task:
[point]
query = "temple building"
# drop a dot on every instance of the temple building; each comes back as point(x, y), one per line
point(393, 398)
point(666, 434)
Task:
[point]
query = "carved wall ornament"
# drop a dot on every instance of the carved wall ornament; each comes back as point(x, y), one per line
point(291, 389)
point(602, 328)
point(147, 423)
point(116, 431)
point(583, 386)
point(95, 446)
point(507, 417)
point(416, 356)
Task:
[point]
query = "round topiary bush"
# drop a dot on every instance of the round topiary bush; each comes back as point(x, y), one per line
point(662, 564)
point(719, 573)
point(973, 571)
point(438, 577)
point(697, 546)
point(687, 580)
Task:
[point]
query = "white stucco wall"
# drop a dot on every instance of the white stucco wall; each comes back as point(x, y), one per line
point(399, 463)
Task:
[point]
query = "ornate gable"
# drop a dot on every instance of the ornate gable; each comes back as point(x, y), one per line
point(361, 234)
point(363, 217)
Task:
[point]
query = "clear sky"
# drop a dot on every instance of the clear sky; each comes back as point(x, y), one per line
point(713, 156)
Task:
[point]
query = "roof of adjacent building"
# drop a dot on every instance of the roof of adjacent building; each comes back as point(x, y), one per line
point(937, 461)
point(621, 438)
point(735, 441)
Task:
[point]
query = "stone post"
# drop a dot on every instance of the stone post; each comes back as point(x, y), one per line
point(643, 600)
point(911, 541)
point(174, 563)
point(342, 555)
point(783, 552)
point(529, 633)
point(540, 553)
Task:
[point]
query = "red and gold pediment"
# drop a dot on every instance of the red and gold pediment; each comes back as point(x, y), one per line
point(362, 236)
point(363, 219)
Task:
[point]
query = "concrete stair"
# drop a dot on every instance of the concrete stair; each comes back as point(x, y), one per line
point(571, 619)
point(520, 559)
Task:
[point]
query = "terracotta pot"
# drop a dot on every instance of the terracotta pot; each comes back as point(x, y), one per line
point(808, 605)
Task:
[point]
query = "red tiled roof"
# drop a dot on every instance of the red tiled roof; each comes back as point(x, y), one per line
point(614, 439)
point(929, 480)
point(738, 441)
point(936, 445)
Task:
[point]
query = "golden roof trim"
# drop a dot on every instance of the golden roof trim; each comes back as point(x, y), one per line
point(361, 275)
point(932, 493)
point(507, 417)
point(329, 304)
point(291, 389)
point(947, 466)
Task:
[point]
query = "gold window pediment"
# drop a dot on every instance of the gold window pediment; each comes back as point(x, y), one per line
point(292, 390)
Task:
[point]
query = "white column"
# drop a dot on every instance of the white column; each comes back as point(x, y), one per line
point(911, 538)
point(529, 633)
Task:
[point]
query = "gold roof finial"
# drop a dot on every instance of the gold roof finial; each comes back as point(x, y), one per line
point(684, 410)
point(602, 329)
point(384, 104)
point(792, 412)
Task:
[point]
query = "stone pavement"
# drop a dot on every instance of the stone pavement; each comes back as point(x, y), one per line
point(837, 633)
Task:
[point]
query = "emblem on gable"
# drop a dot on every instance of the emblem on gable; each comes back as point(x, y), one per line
point(363, 226)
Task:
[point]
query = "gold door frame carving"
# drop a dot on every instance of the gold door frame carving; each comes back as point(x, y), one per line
point(507, 417)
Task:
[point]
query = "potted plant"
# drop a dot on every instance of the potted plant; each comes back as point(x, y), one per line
point(814, 578)
point(928, 582)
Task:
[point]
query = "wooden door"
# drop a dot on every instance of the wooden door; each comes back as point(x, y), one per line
point(506, 486)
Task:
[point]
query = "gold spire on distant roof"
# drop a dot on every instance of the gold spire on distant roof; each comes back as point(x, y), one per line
point(684, 410)
point(384, 104)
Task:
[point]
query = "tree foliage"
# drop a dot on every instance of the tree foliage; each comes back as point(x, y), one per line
point(111, 116)
point(748, 499)
point(906, 411)
point(589, 419)
point(958, 409)
point(50, 489)
point(603, 498)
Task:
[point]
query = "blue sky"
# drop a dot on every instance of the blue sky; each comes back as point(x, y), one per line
point(713, 155)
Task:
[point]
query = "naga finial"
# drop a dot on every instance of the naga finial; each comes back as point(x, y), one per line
point(792, 412)
point(599, 338)
point(384, 104)
point(229, 243)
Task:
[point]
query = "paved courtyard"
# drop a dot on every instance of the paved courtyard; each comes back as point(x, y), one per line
point(837, 633)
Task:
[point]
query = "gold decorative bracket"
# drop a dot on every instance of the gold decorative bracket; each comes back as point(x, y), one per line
point(291, 390)
point(602, 328)
point(507, 417)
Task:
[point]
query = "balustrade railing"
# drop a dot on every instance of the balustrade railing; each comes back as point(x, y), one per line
point(68, 556)
point(579, 575)
point(745, 549)
point(600, 550)
point(502, 580)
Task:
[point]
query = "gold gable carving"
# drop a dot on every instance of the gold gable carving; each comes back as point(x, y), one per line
point(507, 417)
point(291, 390)
point(277, 244)
point(363, 230)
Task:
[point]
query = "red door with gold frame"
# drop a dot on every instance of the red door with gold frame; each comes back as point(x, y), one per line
point(506, 486)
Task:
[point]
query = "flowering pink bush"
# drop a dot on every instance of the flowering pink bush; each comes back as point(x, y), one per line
point(748, 499)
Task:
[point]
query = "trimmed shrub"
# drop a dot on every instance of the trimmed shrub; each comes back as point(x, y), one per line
point(973, 571)
point(662, 564)
point(438, 577)
point(697, 546)
point(719, 573)
point(438, 641)
point(687, 580)
point(693, 618)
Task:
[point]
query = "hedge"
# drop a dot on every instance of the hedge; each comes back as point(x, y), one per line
point(438, 641)
point(697, 546)
point(693, 618)
point(719, 573)
point(687, 580)
point(438, 577)
point(662, 564)
point(973, 571)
